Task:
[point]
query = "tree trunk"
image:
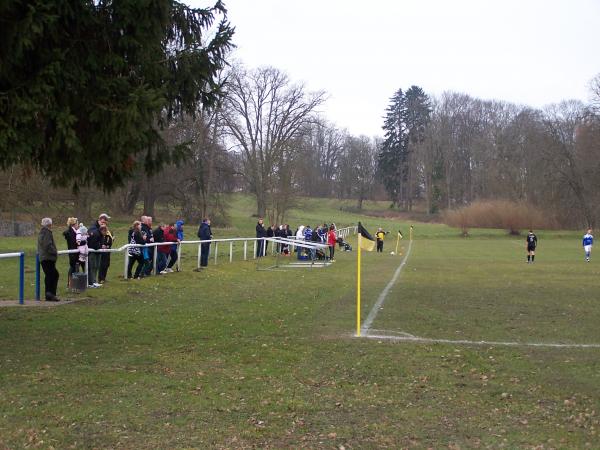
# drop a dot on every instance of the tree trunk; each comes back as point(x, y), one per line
point(410, 188)
point(210, 166)
point(129, 198)
point(261, 203)
point(359, 204)
point(428, 191)
point(149, 198)
point(83, 206)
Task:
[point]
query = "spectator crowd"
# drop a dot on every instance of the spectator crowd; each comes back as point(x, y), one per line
point(321, 234)
point(91, 247)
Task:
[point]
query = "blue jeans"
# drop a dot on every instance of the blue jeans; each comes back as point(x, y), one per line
point(161, 261)
point(94, 266)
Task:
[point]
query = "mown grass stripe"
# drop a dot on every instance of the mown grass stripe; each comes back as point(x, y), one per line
point(379, 303)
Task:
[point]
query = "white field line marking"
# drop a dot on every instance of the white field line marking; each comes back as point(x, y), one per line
point(364, 329)
point(392, 332)
point(487, 343)
point(406, 337)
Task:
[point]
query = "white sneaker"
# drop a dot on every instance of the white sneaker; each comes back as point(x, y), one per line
point(91, 286)
point(163, 272)
point(169, 270)
point(97, 285)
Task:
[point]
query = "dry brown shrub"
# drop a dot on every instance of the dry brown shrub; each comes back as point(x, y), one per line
point(508, 215)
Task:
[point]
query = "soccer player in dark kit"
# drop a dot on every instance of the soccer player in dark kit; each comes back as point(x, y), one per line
point(531, 245)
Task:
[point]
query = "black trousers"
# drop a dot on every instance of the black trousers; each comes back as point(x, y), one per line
point(173, 259)
point(204, 255)
point(132, 259)
point(104, 265)
point(73, 266)
point(379, 245)
point(50, 276)
point(331, 251)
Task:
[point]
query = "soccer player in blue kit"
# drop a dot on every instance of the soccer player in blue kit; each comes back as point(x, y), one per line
point(588, 241)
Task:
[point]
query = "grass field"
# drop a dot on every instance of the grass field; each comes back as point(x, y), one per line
point(233, 357)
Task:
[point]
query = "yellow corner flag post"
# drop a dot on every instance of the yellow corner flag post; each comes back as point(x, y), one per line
point(367, 243)
point(358, 287)
point(398, 241)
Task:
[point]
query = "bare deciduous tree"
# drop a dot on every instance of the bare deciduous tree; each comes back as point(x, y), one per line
point(264, 113)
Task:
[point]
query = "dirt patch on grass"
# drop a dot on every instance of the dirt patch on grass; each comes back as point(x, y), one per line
point(42, 303)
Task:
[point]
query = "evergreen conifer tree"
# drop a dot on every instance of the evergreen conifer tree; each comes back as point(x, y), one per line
point(391, 163)
point(86, 86)
point(406, 118)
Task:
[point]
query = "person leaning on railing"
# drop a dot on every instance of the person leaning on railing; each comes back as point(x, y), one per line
point(48, 253)
point(169, 251)
point(106, 244)
point(95, 239)
point(70, 235)
point(205, 234)
point(261, 233)
point(161, 257)
point(135, 253)
point(147, 252)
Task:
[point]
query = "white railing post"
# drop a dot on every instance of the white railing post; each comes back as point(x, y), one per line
point(231, 251)
point(179, 256)
point(126, 264)
point(154, 260)
point(245, 250)
point(199, 254)
point(254, 252)
point(216, 252)
point(87, 269)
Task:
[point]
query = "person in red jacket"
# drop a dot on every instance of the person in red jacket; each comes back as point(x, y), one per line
point(331, 241)
point(171, 250)
point(168, 235)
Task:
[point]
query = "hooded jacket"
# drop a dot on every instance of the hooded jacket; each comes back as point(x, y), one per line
point(179, 229)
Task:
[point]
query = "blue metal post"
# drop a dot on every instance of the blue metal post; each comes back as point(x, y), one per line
point(21, 278)
point(37, 277)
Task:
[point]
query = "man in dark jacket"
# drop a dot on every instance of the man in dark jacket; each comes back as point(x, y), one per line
point(94, 242)
point(106, 244)
point(205, 234)
point(48, 255)
point(147, 252)
point(260, 234)
point(70, 235)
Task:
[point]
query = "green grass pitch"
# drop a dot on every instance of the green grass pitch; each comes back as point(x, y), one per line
point(232, 357)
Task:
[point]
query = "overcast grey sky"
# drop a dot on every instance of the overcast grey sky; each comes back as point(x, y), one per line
point(530, 52)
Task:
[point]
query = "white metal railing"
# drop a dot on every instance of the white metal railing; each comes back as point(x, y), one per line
point(21, 256)
point(10, 255)
point(346, 231)
point(293, 241)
